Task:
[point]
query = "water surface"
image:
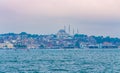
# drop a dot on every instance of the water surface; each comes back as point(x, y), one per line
point(60, 61)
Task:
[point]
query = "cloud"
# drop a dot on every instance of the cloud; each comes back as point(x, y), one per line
point(35, 15)
point(65, 7)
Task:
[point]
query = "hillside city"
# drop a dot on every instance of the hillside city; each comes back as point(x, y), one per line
point(60, 40)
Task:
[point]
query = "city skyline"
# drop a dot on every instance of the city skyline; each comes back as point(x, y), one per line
point(91, 17)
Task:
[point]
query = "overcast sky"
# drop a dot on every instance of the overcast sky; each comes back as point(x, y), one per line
point(92, 17)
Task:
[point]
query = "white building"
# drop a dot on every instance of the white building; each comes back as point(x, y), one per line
point(62, 34)
point(6, 45)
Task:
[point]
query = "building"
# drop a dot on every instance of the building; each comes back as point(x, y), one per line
point(61, 34)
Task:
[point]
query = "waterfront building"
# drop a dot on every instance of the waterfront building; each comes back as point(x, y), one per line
point(6, 45)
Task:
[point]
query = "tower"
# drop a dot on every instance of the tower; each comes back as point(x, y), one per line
point(69, 29)
point(77, 31)
point(73, 32)
point(64, 27)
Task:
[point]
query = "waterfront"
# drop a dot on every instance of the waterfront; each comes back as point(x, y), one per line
point(60, 61)
point(59, 40)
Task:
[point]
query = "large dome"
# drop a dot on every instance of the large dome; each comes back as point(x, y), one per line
point(61, 31)
point(62, 34)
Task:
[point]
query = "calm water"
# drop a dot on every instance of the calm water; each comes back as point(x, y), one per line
point(60, 61)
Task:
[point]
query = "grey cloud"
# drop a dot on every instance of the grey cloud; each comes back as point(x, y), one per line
point(48, 17)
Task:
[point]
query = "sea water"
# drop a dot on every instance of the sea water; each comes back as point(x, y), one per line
point(60, 61)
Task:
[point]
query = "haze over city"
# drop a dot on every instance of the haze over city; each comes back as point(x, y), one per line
point(92, 17)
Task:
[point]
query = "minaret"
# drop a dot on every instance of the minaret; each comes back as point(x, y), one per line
point(69, 29)
point(65, 28)
point(73, 32)
point(77, 31)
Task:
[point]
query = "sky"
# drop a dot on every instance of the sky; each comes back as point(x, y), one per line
point(91, 17)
